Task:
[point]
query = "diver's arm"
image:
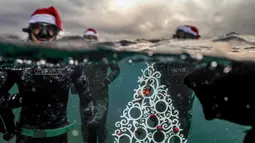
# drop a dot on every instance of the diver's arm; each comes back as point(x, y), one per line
point(8, 80)
point(86, 104)
point(115, 71)
point(9, 101)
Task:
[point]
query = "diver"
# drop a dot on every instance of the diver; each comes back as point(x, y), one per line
point(99, 82)
point(90, 34)
point(43, 90)
point(172, 75)
point(186, 32)
point(225, 88)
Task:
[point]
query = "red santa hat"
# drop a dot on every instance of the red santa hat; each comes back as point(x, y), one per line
point(48, 15)
point(190, 29)
point(91, 32)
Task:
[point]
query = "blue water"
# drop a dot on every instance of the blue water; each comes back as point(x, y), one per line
point(121, 92)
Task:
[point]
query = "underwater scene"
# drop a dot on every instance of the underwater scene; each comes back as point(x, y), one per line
point(148, 99)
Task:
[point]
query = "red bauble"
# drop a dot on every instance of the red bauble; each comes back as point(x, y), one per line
point(146, 92)
point(153, 117)
point(159, 127)
point(176, 129)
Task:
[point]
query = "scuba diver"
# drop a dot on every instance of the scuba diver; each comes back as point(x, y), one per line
point(98, 81)
point(172, 75)
point(43, 91)
point(90, 34)
point(186, 32)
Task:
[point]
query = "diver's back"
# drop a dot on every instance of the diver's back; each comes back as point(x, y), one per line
point(45, 96)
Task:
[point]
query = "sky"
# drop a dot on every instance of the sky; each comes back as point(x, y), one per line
point(131, 19)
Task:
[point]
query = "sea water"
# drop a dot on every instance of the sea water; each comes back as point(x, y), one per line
point(132, 59)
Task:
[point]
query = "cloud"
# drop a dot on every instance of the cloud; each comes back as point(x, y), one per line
point(113, 19)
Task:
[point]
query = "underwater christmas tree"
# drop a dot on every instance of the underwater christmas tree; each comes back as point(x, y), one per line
point(150, 117)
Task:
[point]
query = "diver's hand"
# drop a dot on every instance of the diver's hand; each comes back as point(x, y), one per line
point(102, 86)
point(73, 90)
point(9, 136)
point(93, 123)
point(105, 83)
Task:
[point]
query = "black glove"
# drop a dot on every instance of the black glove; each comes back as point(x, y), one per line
point(93, 124)
point(104, 83)
point(89, 113)
point(8, 136)
point(73, 90)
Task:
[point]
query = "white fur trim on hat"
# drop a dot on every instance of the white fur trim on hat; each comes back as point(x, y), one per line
point(187, 29)
point(43, 18)
point(90, 33)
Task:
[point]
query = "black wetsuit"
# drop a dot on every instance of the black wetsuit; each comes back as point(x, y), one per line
point(172, 75)
point(98, 83)
point(43, 96)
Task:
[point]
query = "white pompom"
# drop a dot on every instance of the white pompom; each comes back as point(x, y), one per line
point(60, 34)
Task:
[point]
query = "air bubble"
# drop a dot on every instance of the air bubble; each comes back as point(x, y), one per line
point(150, 53)
point(43, 62)
point(227, 69)
point(130, 61)
point(71, 62)
point(33, 89)
point(75, 132)
point(183, 57)
point(214, 64)
point(85, 60)
point(179, 95)
point(76, 62)
point(105, 60)
point(199, 56)
point(115, 55)
point(225, 98)
point(219, 115)
point(19, 61)
point(29, 62)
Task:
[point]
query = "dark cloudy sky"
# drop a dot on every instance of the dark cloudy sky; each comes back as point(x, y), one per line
point(117, 19)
